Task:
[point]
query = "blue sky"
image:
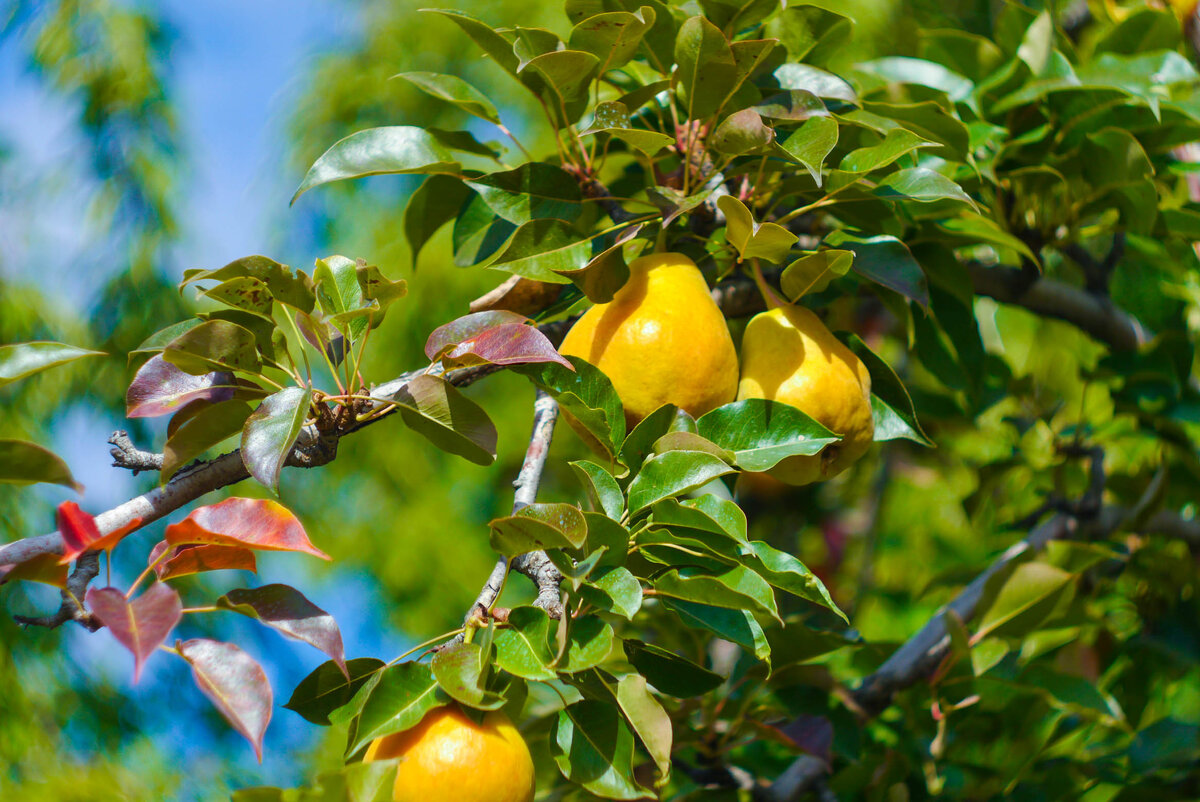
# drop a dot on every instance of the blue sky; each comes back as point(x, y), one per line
point(238, 67)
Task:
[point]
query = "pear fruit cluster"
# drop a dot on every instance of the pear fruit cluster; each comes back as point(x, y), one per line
point(663, 340)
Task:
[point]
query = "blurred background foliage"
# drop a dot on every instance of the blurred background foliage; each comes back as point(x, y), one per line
point(405, 522)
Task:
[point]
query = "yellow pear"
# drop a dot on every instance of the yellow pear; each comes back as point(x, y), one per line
point(788, 355)
point(661, 340)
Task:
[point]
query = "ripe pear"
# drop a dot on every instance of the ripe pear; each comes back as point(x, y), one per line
point(661, 340)
point(788, 355)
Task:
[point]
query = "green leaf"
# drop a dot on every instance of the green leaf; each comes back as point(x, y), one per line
point(271, 431)
point(811, 144)
point(605, 533)
point(531, 191)
point(246, 293)
point(795, 105)
point(606, 273)
point(541, 249)
point(648, 142)
point(648, 719)
point(588, 644)
point(1028, 596)
point(884, 260)
point(380, 151)
point(742, 132)
point(614, 589)
point(707, 72)
point(214, 346)
point(587, 395)
point(974, 229)
point(738, 15)
point(769, 241)
point(400, 699)
point(327, 689)
point(761, 433)
point(613, 38)
point(455, 90)
point(454, 423)
point(339, 293)
point(896, 143)
point(594, 748)
point(785, 572)
point(478, 233)
point(814, 271)
point(461, 671)
point(817, 81)
point(738, 588)
point(25, 463)
point(672, 474)
point(894, 413)
point(565, 76)
point(809, 32)
point(208, 427)
point(433, 204)
point(669, 673)
point(25, 359)
point(539, 527)
point(602, 489)
point(292, 288)
point(523, 646)
point(920, 184)
point(736, 625)
point(639, 443)
point(491, 42)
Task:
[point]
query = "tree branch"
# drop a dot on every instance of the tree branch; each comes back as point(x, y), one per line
point(86, 569)
point(1096, 315)
point(924, 651)
point(535, 565)
point(127, 455)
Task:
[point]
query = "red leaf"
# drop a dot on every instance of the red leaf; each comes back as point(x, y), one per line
point(248, 522)
point(497, 337)
point(141, 625)
point(160, 388)
point(80, 533)
point(185, 560)
point(284, 608)
point(234, 683)
point(45, 568)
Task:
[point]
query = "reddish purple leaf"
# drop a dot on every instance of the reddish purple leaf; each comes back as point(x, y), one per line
point(185, 560)
point(235, 684)
point(141, 625)
point(160, 388)
point(284, 608)
point(497, 337)
point(811, 734)
point(80, 533)
point(247, 522)
point(445, 337)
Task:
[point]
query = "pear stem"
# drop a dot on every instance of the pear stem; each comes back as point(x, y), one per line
point(769, 295)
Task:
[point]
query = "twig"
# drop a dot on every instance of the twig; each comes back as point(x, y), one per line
point(127, 455)
point(71, 609)
point(535, 565)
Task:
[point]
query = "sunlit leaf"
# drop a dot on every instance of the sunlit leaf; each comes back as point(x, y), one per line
point(532, 191)
point(377, 151)
point(538, 527)
point(271, 431)
point(258, 524)
point(497, 338)
point(594, 748)
point(404, 693)
point(672, 474)
point(437, 410)
point(140, 625)
point(235, 684)
point(185, 560)
point(285, 609)
point(761, 433)
point(453, 89)
point(25, 359)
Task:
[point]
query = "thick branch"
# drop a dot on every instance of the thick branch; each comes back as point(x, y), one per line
point(1096, 315)
point(86, 569)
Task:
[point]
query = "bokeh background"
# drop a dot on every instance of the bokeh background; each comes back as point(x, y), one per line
point(141, 139)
